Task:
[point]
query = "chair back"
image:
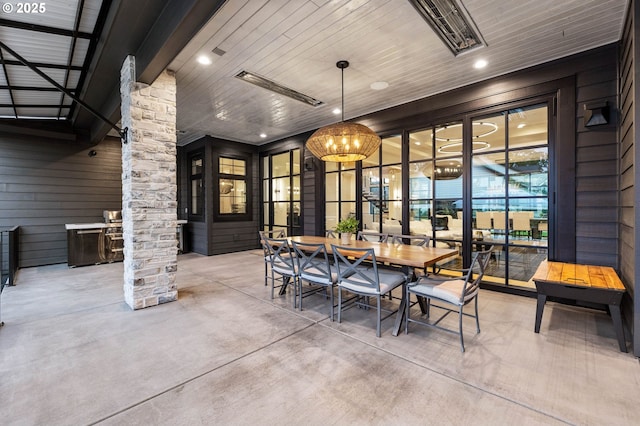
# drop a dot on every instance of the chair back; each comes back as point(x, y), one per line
point(330, 234)
point(416, 240)
point(483, 220)
point(356, 267)
point(282, 259)
point(313, 262)
point(377, 237)
point(499, 221)
point(521, 221)
point(273, 233)
point(477, 268)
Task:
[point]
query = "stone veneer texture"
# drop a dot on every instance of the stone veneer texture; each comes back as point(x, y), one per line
point(149, 189)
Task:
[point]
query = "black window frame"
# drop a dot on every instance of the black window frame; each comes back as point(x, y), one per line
point(218, 176)
point(197, 217)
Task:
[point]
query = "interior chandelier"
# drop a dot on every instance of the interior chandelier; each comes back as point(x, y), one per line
point(343, 142)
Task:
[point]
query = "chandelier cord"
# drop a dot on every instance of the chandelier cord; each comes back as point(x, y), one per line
point(342, 69)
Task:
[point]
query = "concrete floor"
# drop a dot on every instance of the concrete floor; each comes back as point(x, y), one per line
point(72, 352)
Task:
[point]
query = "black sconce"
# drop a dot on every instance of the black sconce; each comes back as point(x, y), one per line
point(309, 164)
point(596, 114)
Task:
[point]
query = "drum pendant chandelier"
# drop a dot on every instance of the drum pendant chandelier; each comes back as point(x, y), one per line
point(343, 142)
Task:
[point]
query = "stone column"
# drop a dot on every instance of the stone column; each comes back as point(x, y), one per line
point(149, 189)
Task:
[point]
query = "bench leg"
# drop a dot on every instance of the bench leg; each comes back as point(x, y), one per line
point(616, 316)
point(542, 299)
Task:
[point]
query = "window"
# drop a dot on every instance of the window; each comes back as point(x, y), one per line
point(382, 188)
point(340, 192)
point(232, 185)
point(196, 187)
point(281, 189)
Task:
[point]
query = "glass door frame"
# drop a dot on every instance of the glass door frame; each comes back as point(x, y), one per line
point(267, 175)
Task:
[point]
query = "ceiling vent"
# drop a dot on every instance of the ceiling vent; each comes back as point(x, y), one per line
point(277, 88)
point(451, 21)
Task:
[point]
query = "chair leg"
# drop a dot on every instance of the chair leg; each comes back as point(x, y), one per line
point(295, 291)
point(339, 305)
point(461, 335)
point(330, 288)
point(273, 283)
point(477, 318)
point(265, 274)
point(407, 311)
point(379, 299)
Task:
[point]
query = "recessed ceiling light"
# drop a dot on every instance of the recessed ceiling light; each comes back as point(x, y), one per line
point(336, 111)
point(263, 135)
point(379, 85)
point(521, 125)
point(204, 60)
point(480, 63)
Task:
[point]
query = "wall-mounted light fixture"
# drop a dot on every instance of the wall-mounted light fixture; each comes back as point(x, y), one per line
point(596, 113)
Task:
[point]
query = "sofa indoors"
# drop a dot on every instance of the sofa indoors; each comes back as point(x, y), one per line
point(447, 228)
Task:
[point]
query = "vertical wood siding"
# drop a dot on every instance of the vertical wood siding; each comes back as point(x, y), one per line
point(45, 184)
point(628, 174)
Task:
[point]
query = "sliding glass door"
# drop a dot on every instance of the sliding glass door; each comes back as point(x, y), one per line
point(509, 189)
point(282, 192)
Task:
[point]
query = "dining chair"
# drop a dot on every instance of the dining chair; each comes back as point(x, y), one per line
point(378, 237)
point(330, 234)
point(275, 233)
point(356, 277)
point(500, 222)
point(449, 290)
point(283, 264)
point(483, 220)
point(416, 240)
point(522, 223)
point(314, 267)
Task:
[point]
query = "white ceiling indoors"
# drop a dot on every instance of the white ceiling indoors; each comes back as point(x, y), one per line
point(297, 43)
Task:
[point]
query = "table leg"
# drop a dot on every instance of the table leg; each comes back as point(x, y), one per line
point(285, 284)
point(401, 309)
point(616, 316)
point(542, 299)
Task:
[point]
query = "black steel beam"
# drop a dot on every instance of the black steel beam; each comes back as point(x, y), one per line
point(52, 106)
point(46, 65)
point(79, 11)
point(32, 88)
point(44, 29)
point(122, 132)
point(175, 27)
point(6, 77)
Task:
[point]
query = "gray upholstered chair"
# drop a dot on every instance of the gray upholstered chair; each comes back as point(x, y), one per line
point(284, 266)
point(314, 268)
point(276, 233)
point(378, 237)
point(449, 290)
point(367, 282)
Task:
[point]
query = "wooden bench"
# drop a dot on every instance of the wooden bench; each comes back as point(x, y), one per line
point(587, 283)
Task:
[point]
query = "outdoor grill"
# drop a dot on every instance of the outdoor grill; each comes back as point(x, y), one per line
point(113, 241)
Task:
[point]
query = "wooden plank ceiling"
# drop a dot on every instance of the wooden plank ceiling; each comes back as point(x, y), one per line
point(297, 44)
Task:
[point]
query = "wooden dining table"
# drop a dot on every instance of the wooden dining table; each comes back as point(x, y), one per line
point(401, 255)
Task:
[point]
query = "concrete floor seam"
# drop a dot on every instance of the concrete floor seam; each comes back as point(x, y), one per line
point(194, 378)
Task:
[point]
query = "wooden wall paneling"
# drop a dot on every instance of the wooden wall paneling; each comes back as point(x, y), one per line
point(629, 215)
point(48, 183)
